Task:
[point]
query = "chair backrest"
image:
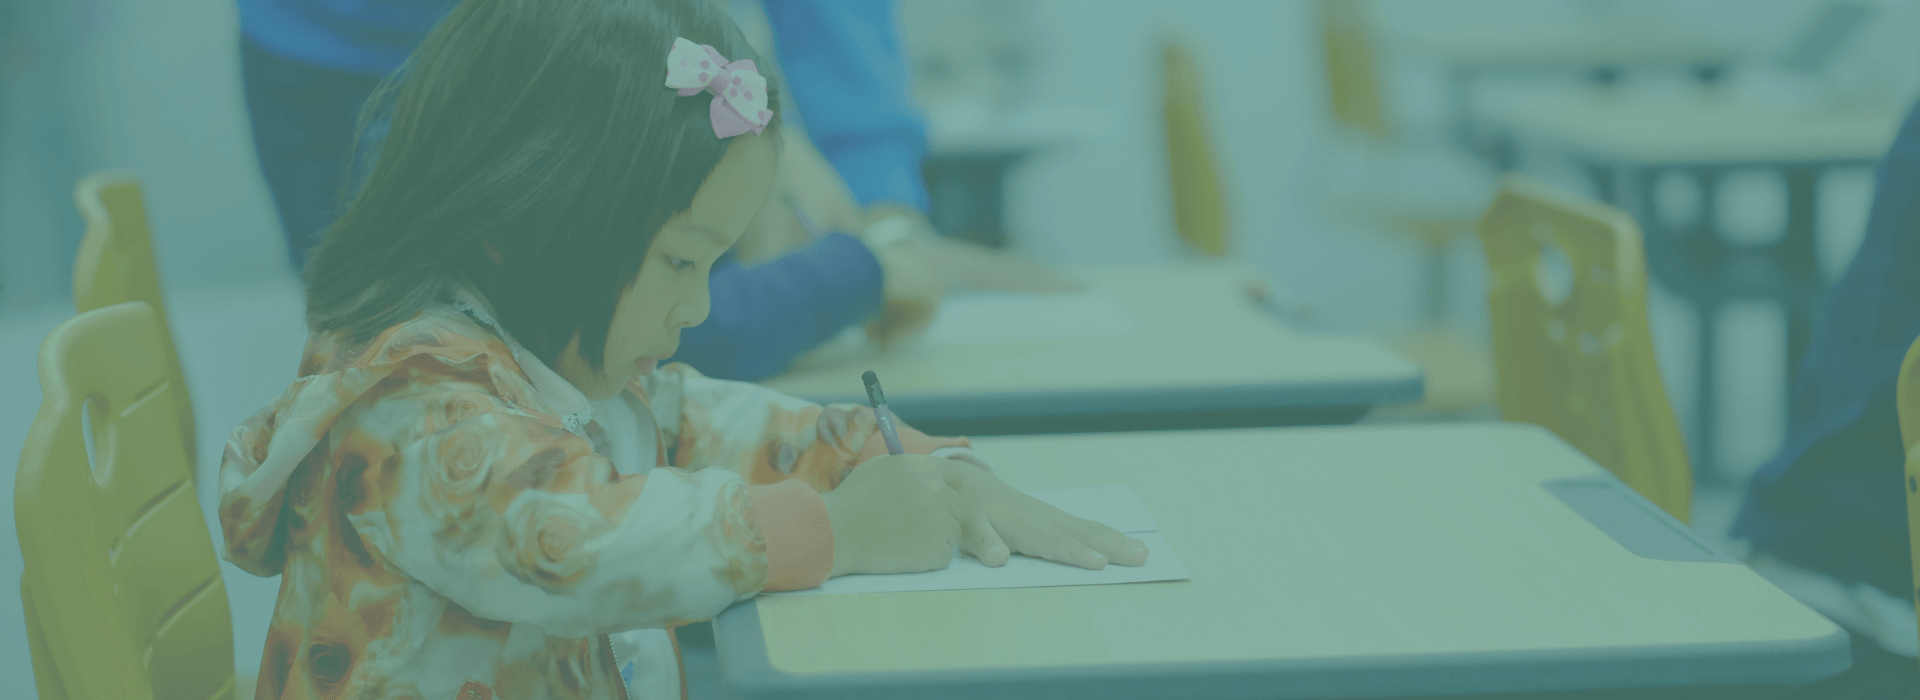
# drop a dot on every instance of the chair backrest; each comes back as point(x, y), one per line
point(1199, 209)
point(1907, 403)
point(1583, 365)
point(1353, 80)
point(115, 265)
point(122, 588)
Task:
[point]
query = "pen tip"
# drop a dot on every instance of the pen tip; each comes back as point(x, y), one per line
point(870, 378)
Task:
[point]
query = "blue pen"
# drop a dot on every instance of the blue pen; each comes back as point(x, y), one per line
point(881, 412)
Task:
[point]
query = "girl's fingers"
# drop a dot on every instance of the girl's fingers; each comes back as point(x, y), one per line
point(1054, 544)
point(979, 539)
point(1117, 548)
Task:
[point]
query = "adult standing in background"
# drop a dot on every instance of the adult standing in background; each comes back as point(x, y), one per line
point(1827, 517)
point(309, 66)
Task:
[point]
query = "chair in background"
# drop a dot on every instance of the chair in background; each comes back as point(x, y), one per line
point(1199, 209)
point(115, 265)
point(123, 594)
point(1579, 361)
point(1429, 194)
point(1907, 401)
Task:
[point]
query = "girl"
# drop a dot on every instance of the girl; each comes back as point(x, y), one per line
point(480, 482)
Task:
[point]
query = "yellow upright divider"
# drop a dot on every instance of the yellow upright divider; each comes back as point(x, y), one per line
point(1582, 366)
point(123, 594)
point(1459, 373)
point(1353, 84)
point(1199, 208)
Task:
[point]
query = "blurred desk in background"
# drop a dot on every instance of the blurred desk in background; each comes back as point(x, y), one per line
point(1148, 348)
point(1603, 52)
point(970, 151)
point(1484, 561)
point(1573, 46)
point(1628, 146)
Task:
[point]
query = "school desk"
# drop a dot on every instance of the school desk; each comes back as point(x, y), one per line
point(1204, 356)
point(1345, 562)
point(971, 151)
point(1629, 146)
point(1602, 50)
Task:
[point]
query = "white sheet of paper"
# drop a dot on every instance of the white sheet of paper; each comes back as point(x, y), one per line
point(1115, 506)
point(990, 317)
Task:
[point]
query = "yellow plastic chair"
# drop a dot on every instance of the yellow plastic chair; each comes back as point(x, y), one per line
point(1583, 366)
point(1353, 88)
point(123, 594)
point(115, 265)
point(1425, 193)
point(1199, 209)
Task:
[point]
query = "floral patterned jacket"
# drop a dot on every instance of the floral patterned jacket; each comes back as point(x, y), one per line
point(445, 528)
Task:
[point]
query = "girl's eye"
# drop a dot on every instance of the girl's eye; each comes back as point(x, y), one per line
point(678, 264)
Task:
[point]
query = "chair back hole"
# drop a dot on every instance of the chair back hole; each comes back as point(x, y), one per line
point(1553, 273)
point(88, 409)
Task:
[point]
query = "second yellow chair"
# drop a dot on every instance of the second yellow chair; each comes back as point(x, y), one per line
point(1581, 365)
point(1907, 401)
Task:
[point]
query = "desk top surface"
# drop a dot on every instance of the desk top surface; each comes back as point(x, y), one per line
point(1704, 129)
point(1568, 45)
point(1200, 342)
point(1339, 561)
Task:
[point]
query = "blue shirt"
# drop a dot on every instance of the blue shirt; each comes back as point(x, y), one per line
point(850, 83)
point(1833, 499)
point(369, 37)
point(765, 316)
point(842, 59)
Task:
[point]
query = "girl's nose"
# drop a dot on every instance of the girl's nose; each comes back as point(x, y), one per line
point(693, 310)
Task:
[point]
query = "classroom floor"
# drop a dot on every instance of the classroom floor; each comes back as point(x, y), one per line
point(230, 378)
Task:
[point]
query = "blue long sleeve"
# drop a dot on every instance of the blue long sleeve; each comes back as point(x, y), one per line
point(849, 78)
point(1833, 499)
point(765, 316)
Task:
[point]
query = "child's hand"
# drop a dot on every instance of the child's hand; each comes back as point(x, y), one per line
point(998, 517)
point(894, 515)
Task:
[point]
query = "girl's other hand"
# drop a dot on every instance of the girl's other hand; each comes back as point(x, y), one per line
point(894, 515)
point(999, 519)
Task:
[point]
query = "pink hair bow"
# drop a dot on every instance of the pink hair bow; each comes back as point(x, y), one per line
point(739, 91)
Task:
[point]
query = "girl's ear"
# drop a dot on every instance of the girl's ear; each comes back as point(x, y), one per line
point(493, 254)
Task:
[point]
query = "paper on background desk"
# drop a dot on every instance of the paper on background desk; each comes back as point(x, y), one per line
point(1115, 506)
point(987, 317)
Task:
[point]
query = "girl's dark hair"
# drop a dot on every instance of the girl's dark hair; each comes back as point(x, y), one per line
point(541, 128)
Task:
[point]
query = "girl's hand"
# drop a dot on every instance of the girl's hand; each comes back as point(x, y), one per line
point(894, 515)
point(998, 518)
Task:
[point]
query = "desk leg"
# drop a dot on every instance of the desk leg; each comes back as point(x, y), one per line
point(1674, 259)
point(1706, 386)
point(1799, 256)
point(968, 193)
point(1606, 182)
